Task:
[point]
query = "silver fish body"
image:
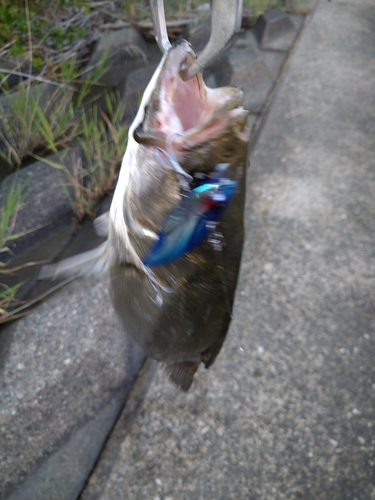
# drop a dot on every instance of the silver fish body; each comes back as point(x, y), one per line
point(178, 312)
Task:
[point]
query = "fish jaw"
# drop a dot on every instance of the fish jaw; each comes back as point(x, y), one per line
point(183, 114)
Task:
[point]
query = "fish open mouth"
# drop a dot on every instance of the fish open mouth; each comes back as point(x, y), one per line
point(188, 112)
point(183, 104)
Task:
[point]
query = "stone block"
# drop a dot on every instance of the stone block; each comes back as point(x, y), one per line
point(127, 51)
point(44, 220)
point(244, 66)
point(272, 25)
point(47, 200)
point(200, 35)
point(136, 84)
point(66, 370)
point(285, 42)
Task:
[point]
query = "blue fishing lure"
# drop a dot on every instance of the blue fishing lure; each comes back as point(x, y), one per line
point(191, 221)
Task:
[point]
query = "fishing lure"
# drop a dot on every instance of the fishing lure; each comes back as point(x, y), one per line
point(190, 222)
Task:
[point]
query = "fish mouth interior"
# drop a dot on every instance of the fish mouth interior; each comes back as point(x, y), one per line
point(183, 105)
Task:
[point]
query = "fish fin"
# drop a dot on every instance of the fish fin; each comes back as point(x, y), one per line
point(209, 355)
point(91, 262)
point(101, 225)
point(182, 374)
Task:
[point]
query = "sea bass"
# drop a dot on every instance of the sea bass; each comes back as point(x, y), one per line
point(175, 226)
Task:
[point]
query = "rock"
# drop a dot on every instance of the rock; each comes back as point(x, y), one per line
point(244, 66)
point(47, 199)
point(126, 50)
point(136, 84)
point(251, 121)
point(47, 205)
point(96, 484)
point(176, 29)
point(272, 25)
point(200, 35)
point(44, 219)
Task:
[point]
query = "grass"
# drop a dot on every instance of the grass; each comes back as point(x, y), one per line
point(54, 25)
point(45, 117)
point(257, 7)
point(19, 19)
point(103, 140)
point(8, 298)
point(8, 215)
point(37, 122)
point(22, 120)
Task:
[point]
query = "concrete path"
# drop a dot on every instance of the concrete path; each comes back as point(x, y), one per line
point(288, 409)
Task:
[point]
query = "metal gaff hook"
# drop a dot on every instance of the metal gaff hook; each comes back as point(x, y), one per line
point(225, 22)
point(160, 28)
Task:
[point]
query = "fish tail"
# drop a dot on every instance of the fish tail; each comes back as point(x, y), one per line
point(91, 262)
point(101, 225)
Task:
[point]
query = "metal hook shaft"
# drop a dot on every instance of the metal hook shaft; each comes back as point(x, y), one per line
point(160, 27)
point(225, 22)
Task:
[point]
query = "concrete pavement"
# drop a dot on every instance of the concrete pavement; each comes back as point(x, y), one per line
point(288, 409)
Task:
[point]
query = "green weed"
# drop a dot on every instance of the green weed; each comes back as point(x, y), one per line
point(16, 195)
point(45, 117)
point(103, 142)
point(23, 119)
point(257, 7)
point(14, 25)
point(8, 297)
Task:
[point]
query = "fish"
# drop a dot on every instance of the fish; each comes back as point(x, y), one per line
point(175, 225)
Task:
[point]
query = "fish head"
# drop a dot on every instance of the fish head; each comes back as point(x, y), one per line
point(181, 128)
point(187, 118)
